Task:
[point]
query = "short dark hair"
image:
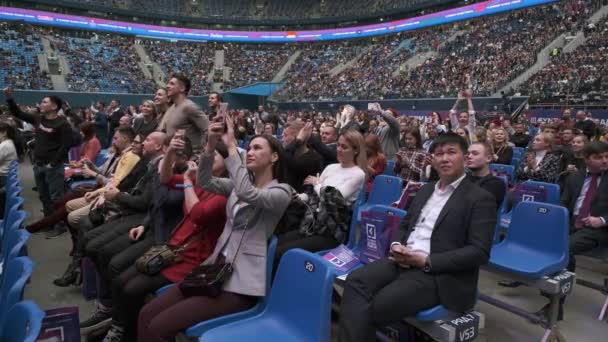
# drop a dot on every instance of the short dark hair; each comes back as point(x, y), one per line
point(126, 131)
point(449, 138)
point(595, 147)
point(184, 80)
point(56, 100)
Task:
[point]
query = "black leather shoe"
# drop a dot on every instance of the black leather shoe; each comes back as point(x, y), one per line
point(72, 276)
point(510, 284)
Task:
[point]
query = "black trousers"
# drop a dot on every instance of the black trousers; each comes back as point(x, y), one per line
point(129, 291)
point(584, 240)
point(382, 293)
point(294, 239)
point(110, 247)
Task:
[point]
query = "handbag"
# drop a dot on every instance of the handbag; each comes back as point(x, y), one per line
point(208, 280)
point(159, 257)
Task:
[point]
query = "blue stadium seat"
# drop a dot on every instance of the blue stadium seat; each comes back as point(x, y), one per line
point(74, 185)
point(18, 272)
point(503, 170)
point(518, 152)
point(299, 307)
point(102, 156)
point(385, 190)
point(13, 244)
point(551, 189)
point(389, 170)
point(200, 328)
point(515, 162)
point(432, 314)
point(537, 243)
point(23, 323)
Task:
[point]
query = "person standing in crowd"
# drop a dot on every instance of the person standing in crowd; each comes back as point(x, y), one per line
point(539, 164)
point(114, 113)
point(326, 144)
point(213, 104)
point(8, 154)
point(388, 130)
point(185, 114)
point(299, 161)
point(265, 117)
point(255, 206)
point(161, 100)
point(148, 122)
point(419, 274)
point(520, 138)
point(502, 152)
point(464, 119)
point(585, 124)
point(53, 141)
point(478, 161)
point(410, 161)
point(345, 120)
point(101, 123)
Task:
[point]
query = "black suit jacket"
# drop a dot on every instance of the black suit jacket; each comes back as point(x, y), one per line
point(572, 189)
point(461, 240)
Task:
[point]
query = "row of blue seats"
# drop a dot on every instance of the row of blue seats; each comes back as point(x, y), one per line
point(20, 321)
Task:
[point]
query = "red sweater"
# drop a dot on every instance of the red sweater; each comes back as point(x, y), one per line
point(207, 218)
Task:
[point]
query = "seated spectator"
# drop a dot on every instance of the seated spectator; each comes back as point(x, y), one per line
point(579, 143)
point(520, 138)
point(88, 150)
point(502, 152)
point(205, 217)
point(346, 180)
point(464, 132)
point(478, 161)
point(299, 161)
point(376, 160)
point(269, 129)
point(419, 274)
point(148, 122)
point(326, 144)
point(410, 161)
point(539, 164)
point(253, 211)
point(161, 100)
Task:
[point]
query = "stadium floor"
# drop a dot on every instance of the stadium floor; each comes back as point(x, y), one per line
point(583, 305)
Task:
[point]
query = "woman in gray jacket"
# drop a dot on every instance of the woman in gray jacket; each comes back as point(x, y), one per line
point(256, 203)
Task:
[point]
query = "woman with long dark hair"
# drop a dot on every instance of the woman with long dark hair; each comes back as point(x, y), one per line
point(410, 159)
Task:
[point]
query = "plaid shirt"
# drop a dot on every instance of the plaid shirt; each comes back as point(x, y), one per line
point(415, 168)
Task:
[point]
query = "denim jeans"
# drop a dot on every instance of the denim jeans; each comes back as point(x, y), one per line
point(50, 184)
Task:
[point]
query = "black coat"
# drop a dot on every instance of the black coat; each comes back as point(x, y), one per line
point(572, 189)
point(461, 241)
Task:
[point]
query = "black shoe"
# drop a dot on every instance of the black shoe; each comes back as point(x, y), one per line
point(56, 232)
point(44, 231)
point(510, 284)
point(101, 319)
point(35, 189)
point(72, 276)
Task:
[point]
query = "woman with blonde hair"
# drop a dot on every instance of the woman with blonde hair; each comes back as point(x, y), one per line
point(539, 164)
point(502, 152)
point(148, 121)
point(347, 177)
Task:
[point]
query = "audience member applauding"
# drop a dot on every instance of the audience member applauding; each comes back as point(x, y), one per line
point(459, 218)
point(388, 130)
point(256, 203)
point(326, 145)
point(197, 234)
point(410, 161)
point(464, 119)
point(300, 161)
point(478, 161)
point(339, 184)
point(502, 153)
point(539, 164)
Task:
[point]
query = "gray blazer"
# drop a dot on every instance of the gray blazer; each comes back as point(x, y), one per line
point(257, 213)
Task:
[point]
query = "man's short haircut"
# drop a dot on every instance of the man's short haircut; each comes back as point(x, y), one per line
point(449, 138)
point(220, 98)
point(550, 126)
point(126, 131)
point(485, 145)
point(56, 101)
point(117, 101)
point(595, 147)
point(184, 80)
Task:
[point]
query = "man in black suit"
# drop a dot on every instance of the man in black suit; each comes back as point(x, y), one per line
point(588, 207)
point(458, 217)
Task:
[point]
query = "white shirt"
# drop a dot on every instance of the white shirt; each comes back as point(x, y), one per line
point(420, 238)
point(348, 181)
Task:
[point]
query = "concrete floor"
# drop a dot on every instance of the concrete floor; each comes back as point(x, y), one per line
point(583, 305)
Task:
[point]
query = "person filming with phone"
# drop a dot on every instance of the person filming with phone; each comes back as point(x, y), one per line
point(459, 218)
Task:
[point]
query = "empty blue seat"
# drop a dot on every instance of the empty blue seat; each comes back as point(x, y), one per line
point(389, 170)
point(13, 243)
point(518, 152)
point(23, 323)
point(552, 190)
point(200, 328)
point(299, 307)
point(537, 243)
point(18, 272)
point(503, 170)
point(385, 190)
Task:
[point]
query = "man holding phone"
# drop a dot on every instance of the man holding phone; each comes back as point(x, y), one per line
point(184, 113)
point(458, 217)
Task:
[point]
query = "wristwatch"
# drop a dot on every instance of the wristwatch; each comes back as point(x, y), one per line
point(427, 265)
